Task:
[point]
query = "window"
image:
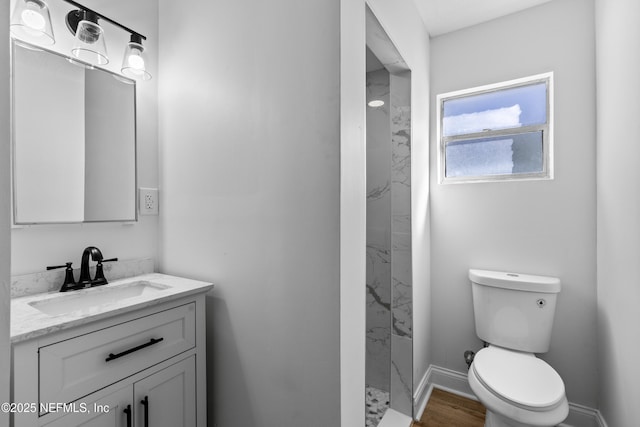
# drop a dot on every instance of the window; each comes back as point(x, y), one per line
point(497, 132)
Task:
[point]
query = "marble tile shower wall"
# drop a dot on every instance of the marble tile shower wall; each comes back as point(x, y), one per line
point(401, 278)
point(378, 341)
point(389, 286)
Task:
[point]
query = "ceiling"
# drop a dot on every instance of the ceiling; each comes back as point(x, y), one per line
point(444, 16)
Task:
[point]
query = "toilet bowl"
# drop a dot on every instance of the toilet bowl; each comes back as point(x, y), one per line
point(514, 316)
point(518, 389)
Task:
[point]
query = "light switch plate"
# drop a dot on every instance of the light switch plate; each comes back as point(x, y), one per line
point(148, 201)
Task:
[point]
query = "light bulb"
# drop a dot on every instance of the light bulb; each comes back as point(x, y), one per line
point(135, 60)
point(33, 19)
point(31, 23)
point(134, 63)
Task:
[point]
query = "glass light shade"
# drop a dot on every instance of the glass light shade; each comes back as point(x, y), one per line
point(89, 45)
point(134, 62)
point(31, 22)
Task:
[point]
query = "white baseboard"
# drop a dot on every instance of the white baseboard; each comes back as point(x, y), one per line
point(580, 415)
point(444, 379)
point(456, 382)
point(421, 395)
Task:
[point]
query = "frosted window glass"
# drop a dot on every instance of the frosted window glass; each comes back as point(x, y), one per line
point(500, 155)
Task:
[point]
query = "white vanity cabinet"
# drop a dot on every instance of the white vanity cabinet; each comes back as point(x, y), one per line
point(142, 368)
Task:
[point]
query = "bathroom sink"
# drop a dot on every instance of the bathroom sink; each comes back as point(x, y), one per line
point(94, 299)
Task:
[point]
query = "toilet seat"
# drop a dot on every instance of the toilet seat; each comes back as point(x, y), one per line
point(520, 379)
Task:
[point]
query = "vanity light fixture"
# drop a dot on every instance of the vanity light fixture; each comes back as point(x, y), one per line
point(376, 103)
point(134, 62)
point(31, 22)
point(90, 47)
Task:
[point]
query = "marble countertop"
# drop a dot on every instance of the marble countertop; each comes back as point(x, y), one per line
point(28, 322)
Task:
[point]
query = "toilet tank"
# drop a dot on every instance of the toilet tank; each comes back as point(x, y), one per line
point(513, 310)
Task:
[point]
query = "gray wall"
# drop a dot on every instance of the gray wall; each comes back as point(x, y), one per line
point(537, 227)
point(260, 195)
point(5, 203)
point(618, 68)
point(250, 175)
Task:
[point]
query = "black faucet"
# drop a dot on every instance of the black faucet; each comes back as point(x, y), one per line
point(85, 279)
point(99, 279)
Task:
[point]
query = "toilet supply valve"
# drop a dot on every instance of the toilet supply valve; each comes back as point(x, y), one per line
point(468, 357)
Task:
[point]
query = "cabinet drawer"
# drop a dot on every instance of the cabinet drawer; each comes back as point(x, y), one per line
point(78, 366)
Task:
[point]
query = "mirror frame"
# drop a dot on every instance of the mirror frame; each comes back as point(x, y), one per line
point(14, 190)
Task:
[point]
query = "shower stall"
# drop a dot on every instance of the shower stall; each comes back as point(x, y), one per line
point(389, 350)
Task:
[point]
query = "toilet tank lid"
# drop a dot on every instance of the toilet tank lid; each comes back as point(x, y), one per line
point(517, 281)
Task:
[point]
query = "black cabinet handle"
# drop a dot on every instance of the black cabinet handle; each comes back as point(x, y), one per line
point(152, 341)
point(145, 403)
point(127, 411)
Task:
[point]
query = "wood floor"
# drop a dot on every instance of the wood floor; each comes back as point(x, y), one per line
point(449, 410)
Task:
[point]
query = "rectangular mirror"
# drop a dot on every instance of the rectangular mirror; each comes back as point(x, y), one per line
point(74, 141)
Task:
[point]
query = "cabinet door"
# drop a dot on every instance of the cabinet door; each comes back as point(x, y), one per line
point(108, 411)
point(167, 398)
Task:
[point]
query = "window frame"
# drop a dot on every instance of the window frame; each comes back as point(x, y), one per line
point(546, 128)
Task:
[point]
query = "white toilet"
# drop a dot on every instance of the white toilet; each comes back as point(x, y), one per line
point(514, 315)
